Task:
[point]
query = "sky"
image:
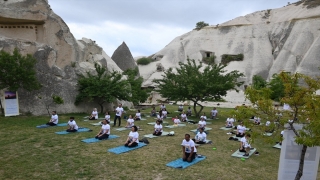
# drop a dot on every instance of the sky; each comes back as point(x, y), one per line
point(147, 26)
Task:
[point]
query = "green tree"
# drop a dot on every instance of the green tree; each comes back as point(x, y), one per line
point(277, 87)
point(201, 24)
point(103, 87)
point(258, 82)
point(299, 93)
point(197, 83)
point(137, 94)
point(17, 72)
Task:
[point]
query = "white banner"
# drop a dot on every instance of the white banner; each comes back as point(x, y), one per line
point(11, 104)
point(290, 158)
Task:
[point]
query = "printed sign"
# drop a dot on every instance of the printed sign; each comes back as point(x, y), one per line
point(11, 104)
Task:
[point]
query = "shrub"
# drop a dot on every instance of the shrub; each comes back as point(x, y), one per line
point(144, 61)
point(226, 58)
point(209, 60)
point(201, 24)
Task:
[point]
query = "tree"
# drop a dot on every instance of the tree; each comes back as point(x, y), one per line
point(17, 72)
point(137, 94)
point(258, 82)
point(48, 101)
point(277, 87)
point(299, 93)
point(197, 83)
point(103, 87)
point(201, 24)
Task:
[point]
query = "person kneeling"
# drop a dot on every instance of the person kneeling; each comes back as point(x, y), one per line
point(133, 138)
point(72, 125)
point(157, 129)
point(105, 131)
point(201, 137)
point(189, 150)
point(245, 144)
point(241, 130)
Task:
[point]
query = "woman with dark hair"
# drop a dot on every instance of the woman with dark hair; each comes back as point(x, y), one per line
point(137, 117)
point(160, 117)
point(133, 138)
point(72, 125)
point(105, 131)
point(157, 129)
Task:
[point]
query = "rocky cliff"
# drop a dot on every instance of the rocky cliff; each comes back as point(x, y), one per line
point(123, 57)
point(272, 40)
point(32, 27)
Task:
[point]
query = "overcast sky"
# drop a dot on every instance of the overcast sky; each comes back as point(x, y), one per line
point(148, 25)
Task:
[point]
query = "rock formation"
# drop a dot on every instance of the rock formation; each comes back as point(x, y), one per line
point(32, 27)
point(123, 57)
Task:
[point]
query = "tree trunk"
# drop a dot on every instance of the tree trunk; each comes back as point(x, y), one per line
point(195, 109)
point(1, 108)
point(301, 164)
point(101, 106)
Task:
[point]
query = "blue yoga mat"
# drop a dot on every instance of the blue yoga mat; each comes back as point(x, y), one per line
point(45, 126)
point(93, 140)
point(79, 130)
point(123, 149)
point(179, 163)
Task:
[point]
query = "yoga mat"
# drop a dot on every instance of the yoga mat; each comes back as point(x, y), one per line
point(172, 126)
point(226, 129)
point(79, 130)
point(207, 142)
point(206, 129)
point(143, 119)
point(237, 137)
point(45, 126)
point(93, 140)
point(164, 133)
point(267, 134)
point(123, 149)
point(240, 154)
point(123, 129)
point(278, 146)
point(179, 163)
point(153, 123)
point(96, 124)
point(86, 117)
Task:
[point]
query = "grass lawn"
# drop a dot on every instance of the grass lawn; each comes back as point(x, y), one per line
point(31, 153)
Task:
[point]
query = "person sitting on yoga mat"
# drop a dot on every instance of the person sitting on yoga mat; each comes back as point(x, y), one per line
point(189, 149)
point(94, 114)
point(241, 130)
point(137, 117)
point(153, 112)
point(105, 131)
point(189, 111)
point(256, 120)
point(164, 113)
point(214, 113)
point(130, 122)
point(176, 121)
point(160, 116)
point(162, 107)
point(107, 117)
point(245, 144)
point(72, 125)
point(157, 129)
point(229, 122)
point(202, 123)
point(201, 137)
point(54, 119)
point(180, 108)
point(204, 116)
point(183, 117)
point(133, 138)
point(269, 129)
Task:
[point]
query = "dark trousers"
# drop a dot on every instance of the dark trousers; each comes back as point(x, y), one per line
point(72, 130)
point(104, 136)
point(239, 135)
point(51, 124)
point(132, 145)
point(157, 133)
point(115, 120)
point(200, 142)
point(92, 118)
point(187, 156)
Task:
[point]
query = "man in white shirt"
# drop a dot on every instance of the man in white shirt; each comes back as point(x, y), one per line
point(202, 124)
point(245, 144)
point(72, 125)
point(189, 149)
point(119, 111)
point(105, 131)
point(229, 122)
point(54, 119)
point(214, 113)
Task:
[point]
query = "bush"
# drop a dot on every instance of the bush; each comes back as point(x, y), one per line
point(201, 24)
point(144, 61)
point(226, 58)
point(209, 60)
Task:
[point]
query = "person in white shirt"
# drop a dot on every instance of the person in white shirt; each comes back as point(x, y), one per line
point(72, 125)
point(268, 128)
point(183, 117)
point(130, 122)
point(157, 129)
point(257, 120)
point(133, 138)
point(180, 108)
point(162, 107)
point(189, 111)
point(281, 136)
point(54, 119)
point(164, 113)
point(107, 117)
point(241, 130)
point(214, 113)
point(245, 144)
point(119, 110)
point(137, 117)
point(105, 131)
point(160, 116)
point(176, 121)
point(189, 149)
point(203, 116)
point(94, 114)
point(202, 124)
point(229, 122)
point(201, 137)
